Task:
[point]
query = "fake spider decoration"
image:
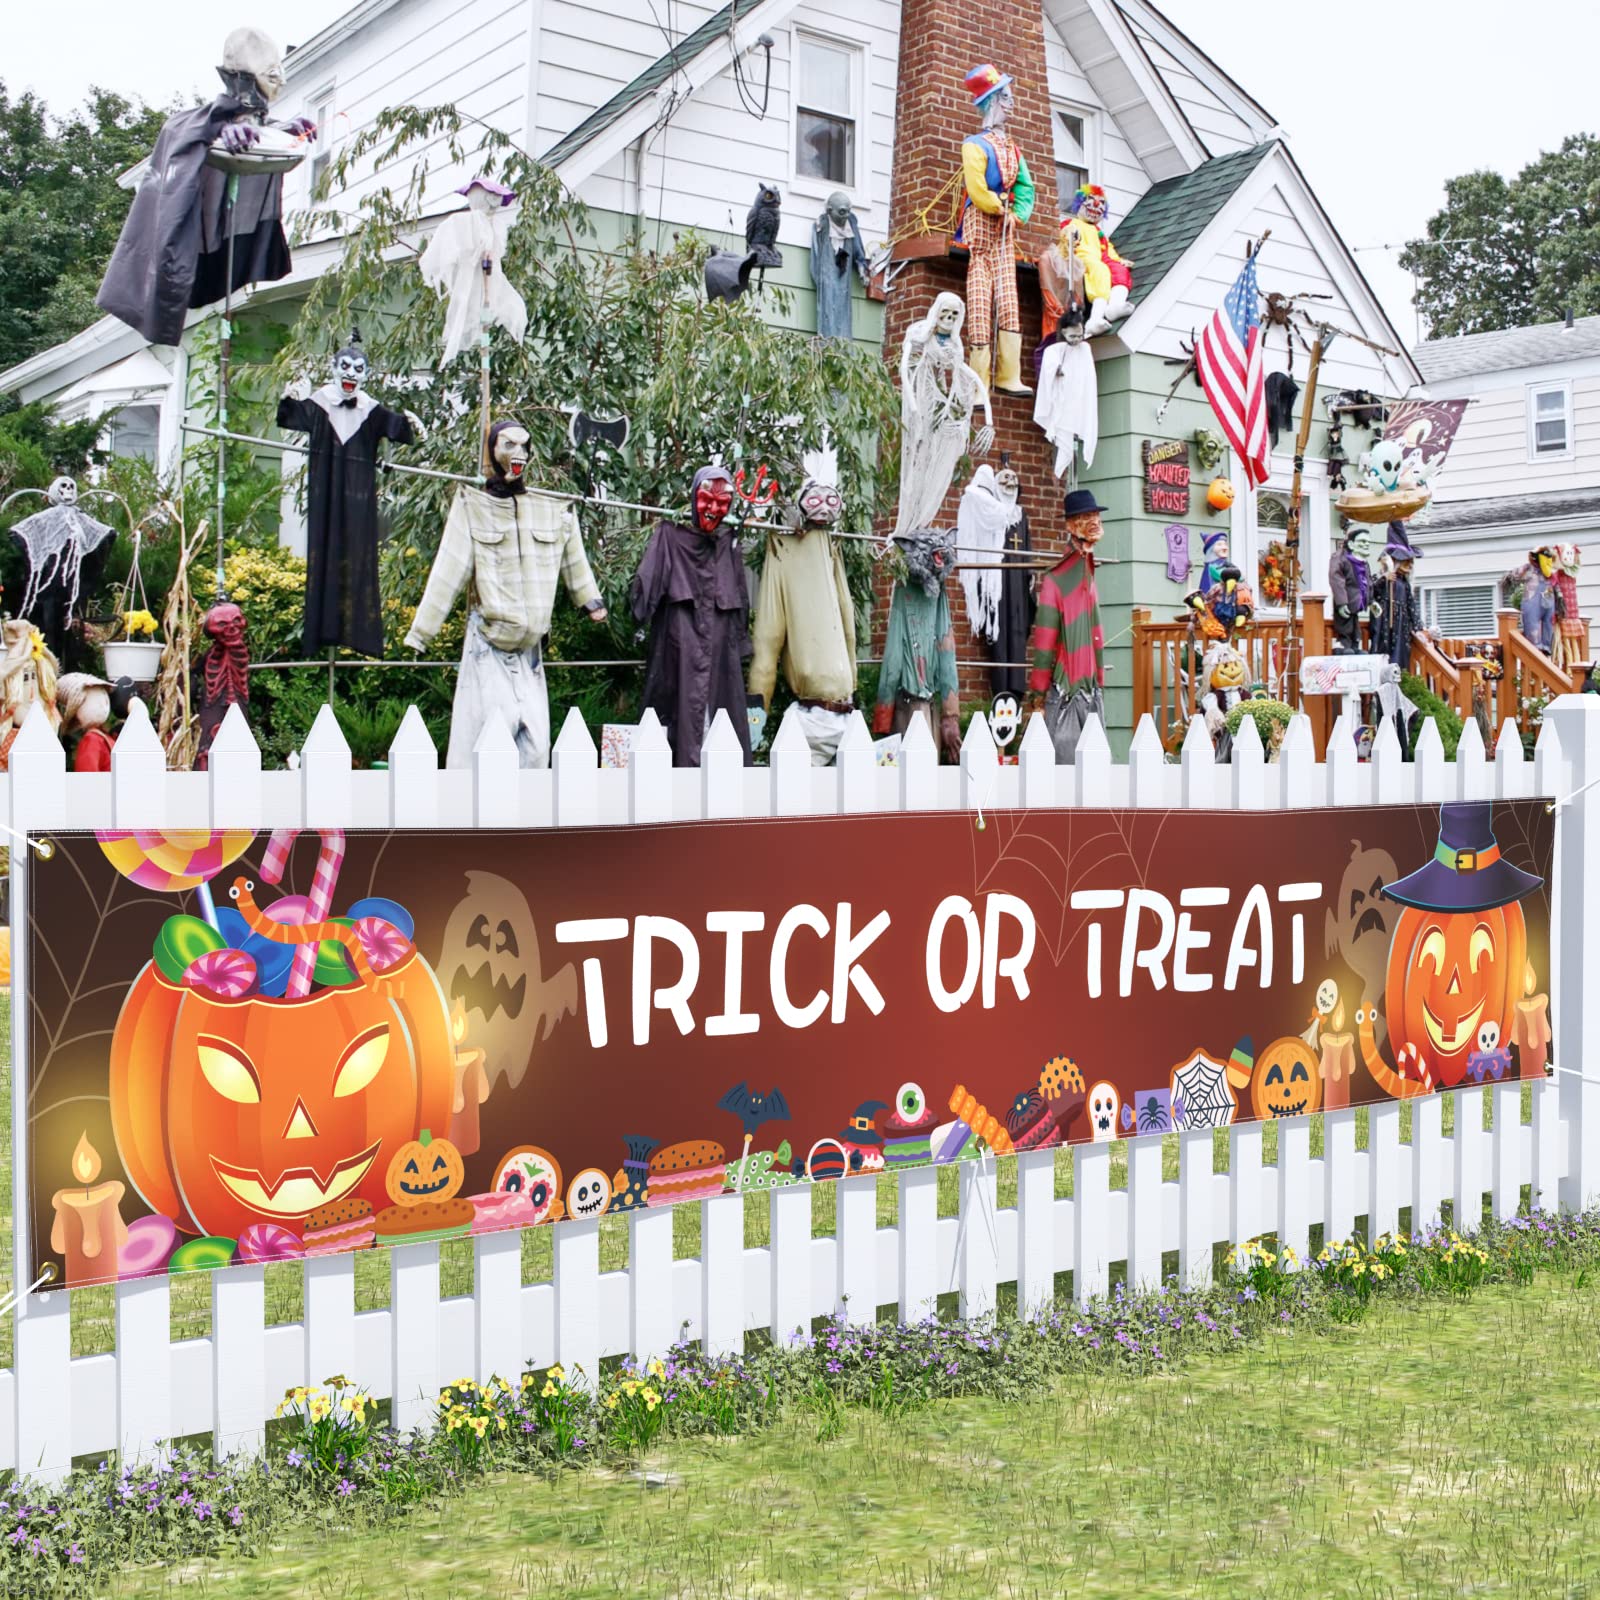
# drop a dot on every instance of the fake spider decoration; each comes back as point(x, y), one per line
point(1154, 1117)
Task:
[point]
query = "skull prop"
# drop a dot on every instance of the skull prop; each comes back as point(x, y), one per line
point(1105, 1107)
point(1381, 466)
point(252, 67)
point(489, 961)
point(350, 368)
point(63, 491)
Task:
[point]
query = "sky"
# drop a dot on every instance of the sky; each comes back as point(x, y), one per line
point(1379, 105)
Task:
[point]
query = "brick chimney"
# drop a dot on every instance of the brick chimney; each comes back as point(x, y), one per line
point(940, 42)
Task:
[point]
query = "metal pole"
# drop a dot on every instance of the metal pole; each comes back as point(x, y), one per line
point(224, 365)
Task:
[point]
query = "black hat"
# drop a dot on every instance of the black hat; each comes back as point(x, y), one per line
point(1467, 872)
point(1079, 502)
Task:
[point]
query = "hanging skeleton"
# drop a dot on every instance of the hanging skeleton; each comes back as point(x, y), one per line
point(57, 541)
point(463, 265)
point(939, 393)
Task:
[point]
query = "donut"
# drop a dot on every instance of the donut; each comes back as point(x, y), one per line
point(269, 1241)
point(150, 1243)
point(202, 1255)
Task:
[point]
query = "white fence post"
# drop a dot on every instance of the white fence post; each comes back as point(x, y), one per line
point(495, 767)
point(1575, 996)
point(413, 774)
point(918, 1232)
point(856, 766)
point(978, 1251)
point(789, 1260)
point(856, 1234)
point(1550, 777)
point(1091, 1193)
point(1036, 759)
point(1036, 1230)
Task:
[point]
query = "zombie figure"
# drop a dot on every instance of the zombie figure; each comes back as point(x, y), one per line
point(837, 256)
point(66, 549)
point(999, 198)
point(346, 428)
point(939, 397)
point(1350, 585)
point(806, 616)
point(173, 250)
point(1068, 646)
point(692, 592)
point(221, 677)
point(1107, 278)
point(514, 549)
point(917, 681)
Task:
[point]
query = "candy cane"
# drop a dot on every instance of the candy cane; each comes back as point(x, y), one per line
point(319, 902)
point(307, 936)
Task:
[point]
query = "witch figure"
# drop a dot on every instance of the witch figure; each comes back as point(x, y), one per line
point(346, 426)
point(692, 592)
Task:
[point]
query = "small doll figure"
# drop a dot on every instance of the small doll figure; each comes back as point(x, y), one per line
point(1491, 1059)
point(85, 706)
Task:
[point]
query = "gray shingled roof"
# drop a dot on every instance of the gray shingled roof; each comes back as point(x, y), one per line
point(1507, 349)
point(1170, 216)
point(1461, 516)
point(657, 73)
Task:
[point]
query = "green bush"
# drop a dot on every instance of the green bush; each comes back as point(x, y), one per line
point(1430, 705)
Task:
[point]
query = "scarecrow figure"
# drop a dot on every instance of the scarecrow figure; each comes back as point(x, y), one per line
point(1396, 616)
point(84, 702)
point(999, 197)
point(27, 676)
point(1539, 599)
point(1068, 646)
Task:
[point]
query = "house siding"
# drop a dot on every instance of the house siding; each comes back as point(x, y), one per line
point(1119, 169)
point(1221, 130)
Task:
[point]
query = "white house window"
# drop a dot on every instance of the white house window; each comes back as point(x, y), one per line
point(322, 114)
point(1549, 421)
point(1463, 611)
point(1075, 131)
point(828, 75)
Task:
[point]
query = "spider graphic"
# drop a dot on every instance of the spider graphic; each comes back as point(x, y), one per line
point(1023, 1110)
point(1153, 1117)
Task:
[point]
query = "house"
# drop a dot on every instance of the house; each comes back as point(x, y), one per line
point(1524, 470)
point(666, 114)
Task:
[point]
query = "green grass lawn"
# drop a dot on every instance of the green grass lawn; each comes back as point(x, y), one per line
point(1440, 1449)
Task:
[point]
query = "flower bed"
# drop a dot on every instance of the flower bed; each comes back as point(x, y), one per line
point(333, 1463)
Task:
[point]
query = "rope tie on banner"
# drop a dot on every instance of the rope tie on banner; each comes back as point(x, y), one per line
point(47, 1274)
point(44, 848)
point(1553, 806)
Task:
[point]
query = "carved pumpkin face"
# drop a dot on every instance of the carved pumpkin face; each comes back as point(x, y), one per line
point(1219, 495)
point(1450, 972)
point(230, 1111)
point(489, 961)
point(425, 1168)
point(1287, 1080)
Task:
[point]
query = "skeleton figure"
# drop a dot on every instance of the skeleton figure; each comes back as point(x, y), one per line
point(221, 677)
point(462, 265)
point(939, 393)
point(57, 541)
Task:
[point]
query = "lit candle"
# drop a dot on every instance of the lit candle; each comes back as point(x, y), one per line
point(88, 1229)
point(1338, 1062)
point(471, 1089)
point(1530, 1027)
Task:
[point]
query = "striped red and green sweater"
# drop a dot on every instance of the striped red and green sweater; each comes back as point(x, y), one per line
point(1067, 647)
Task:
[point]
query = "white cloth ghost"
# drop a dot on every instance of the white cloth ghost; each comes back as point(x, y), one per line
point(452, 266)
point(1067, 406)
point(982, 520)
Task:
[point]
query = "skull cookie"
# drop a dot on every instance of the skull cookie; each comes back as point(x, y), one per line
point(534, 1172)
point(589, 1194)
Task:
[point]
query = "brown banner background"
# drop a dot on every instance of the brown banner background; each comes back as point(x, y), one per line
point(91, 933)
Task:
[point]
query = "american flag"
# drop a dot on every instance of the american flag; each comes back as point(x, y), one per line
point(1228, 357)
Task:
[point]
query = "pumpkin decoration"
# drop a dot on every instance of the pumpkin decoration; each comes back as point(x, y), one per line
point(1460, 947)
point(425, 1168)
point(230, 1111)
point(1219, 494)
point(1287, 1080)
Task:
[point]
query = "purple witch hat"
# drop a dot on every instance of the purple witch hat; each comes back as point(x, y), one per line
point(505, 195)
point(1467, 872)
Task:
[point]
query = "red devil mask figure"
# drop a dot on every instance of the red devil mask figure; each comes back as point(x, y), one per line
point(711, 498)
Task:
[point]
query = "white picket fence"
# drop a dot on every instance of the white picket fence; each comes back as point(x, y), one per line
point(54, 1407)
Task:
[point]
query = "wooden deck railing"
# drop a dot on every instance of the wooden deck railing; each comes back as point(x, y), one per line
point(1166, 667)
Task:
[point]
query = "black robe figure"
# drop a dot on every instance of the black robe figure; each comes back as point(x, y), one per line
point(345, 427)
point(1400, 616)
point(692, 591)
point(1016, 605)
point(172, 252)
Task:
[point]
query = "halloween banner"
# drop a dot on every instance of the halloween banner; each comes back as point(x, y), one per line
point(1426, 426)
point(254, 1047)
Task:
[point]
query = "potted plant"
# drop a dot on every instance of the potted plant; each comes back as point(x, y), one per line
point(136, 654)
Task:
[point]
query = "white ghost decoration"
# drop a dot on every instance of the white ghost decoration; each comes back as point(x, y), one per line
point(1105, 1105)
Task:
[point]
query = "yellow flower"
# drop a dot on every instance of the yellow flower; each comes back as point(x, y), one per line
point(611, 1402)
point(655, 1369)
point(36, 648)
point(548, 1390)
point(558, 1374)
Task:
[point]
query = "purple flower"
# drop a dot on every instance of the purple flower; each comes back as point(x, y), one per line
point(202, 1511)
point(236, 1516)
point(19, 1536)
point(346, 1488)
point(835, 1366)
point(185, 1500)
point(36, 1547)
point(75, 1551)
point(952, 1368)
point(1247, 1293)
point(295, 1459)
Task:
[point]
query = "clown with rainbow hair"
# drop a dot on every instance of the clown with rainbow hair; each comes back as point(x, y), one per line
point(1107, 278)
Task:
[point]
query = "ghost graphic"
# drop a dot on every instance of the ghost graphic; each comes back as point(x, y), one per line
point(489, 961)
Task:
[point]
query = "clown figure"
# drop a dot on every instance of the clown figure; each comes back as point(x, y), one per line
point(1107, 278)
point(999, 197)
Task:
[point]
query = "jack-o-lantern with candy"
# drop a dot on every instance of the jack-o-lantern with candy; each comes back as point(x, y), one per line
point(1457, 959)
point(231, 1105)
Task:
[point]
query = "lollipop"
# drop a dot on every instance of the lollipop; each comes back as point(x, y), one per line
point(174, 860)
point(229, 974)
point(330, 857)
